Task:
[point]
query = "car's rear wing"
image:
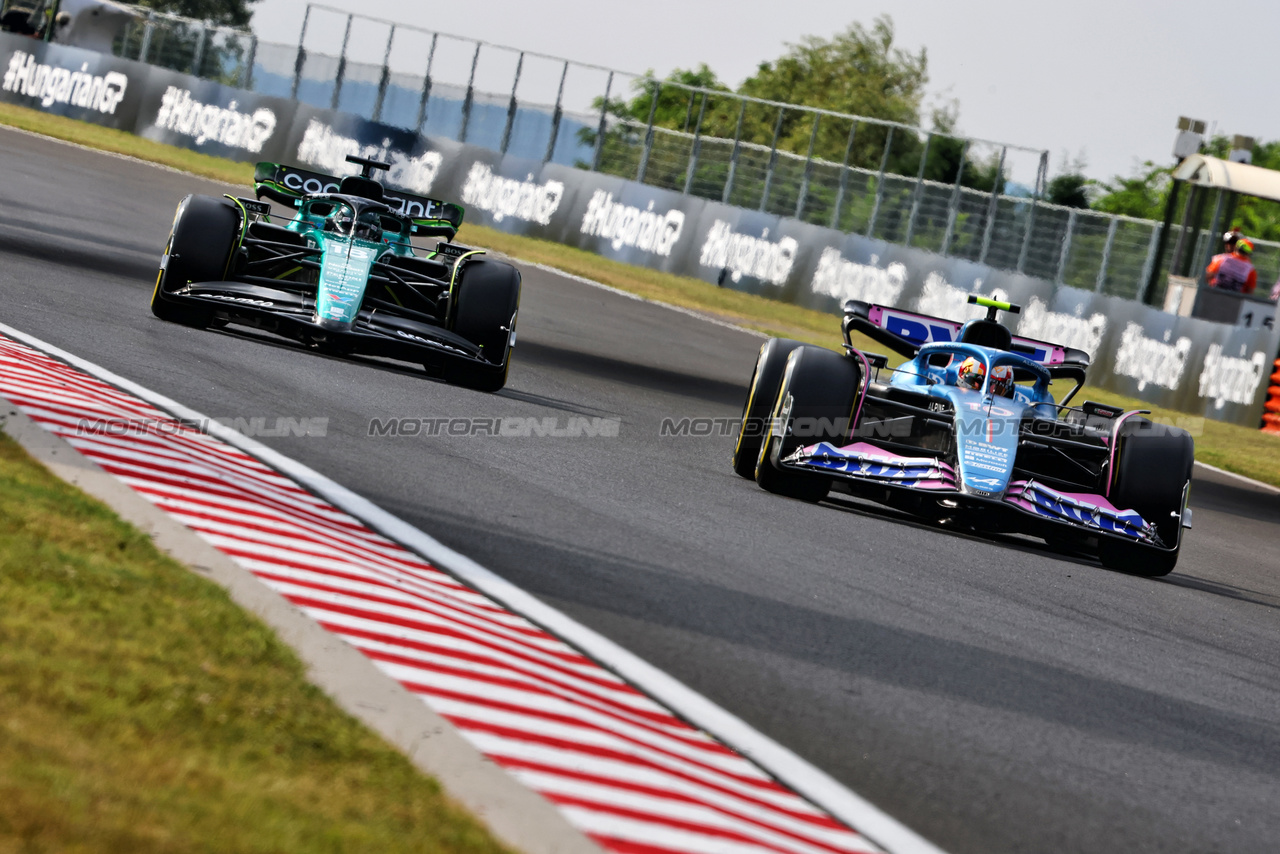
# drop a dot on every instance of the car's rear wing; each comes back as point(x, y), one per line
point(286, 184)
point(905, 332)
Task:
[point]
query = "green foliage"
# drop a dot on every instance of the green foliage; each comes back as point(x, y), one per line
point(1141, 195)
point(225, 13)
point(1144, 193)
point(1069, 189)
point(859, 71)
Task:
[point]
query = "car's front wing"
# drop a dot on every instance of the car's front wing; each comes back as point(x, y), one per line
point(865, 461)
point(374, 333)
point(867, 464)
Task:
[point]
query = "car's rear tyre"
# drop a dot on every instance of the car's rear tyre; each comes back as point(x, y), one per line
point(762, 393)
point(487, 300)
point(821, 387)
point(1152, 469)
point(204, 234)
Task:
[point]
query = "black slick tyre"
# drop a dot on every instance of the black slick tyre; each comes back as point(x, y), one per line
point(1152, 469)
point(487, 299)
point(820, 387)
point(761, 395)
point(204, 235)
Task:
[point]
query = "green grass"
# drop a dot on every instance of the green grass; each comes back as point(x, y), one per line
point(141, 710)
point(1239, 449)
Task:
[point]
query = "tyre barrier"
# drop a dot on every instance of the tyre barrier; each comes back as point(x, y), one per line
point(1271, 409)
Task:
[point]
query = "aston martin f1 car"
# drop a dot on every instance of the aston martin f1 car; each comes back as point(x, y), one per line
point(342, 274)
point(967, 431)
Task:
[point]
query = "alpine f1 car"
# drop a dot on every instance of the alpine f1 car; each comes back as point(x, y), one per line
point(967, 430)
point(342, 274)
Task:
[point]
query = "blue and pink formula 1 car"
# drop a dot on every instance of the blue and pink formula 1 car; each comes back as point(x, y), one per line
point(967, 430)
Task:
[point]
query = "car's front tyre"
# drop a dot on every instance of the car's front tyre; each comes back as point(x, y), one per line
point(199, 249)
point(487, 301)
point(814, 404)
point(1153, 465)
point(762, 392)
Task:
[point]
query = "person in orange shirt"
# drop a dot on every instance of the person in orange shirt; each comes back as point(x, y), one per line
point(1234, 272)
point(1228, 243)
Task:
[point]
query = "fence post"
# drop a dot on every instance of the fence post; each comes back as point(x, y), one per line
point(384, 80)
point(844, 176)
point(1175, 263)
point(994, 208)
point(919, 189)
point(1042, 177)
point(604, 114)
point(198, 56)
point(953, 208)
point(648, 135)
point(342, 65)
point(1066, 246)
point(556, 115)
point(1153, 249)
point(511, 106)
point(150, 26)
point(884, 163)
point(246, 77)
point(1106, 254)
point(808, 167)
point(300, 60)
point(1215, 226)
point(697, 146)
point(1025, 251)
point(471, 93)
point(426, 83)
point(733, 157)
point(773, 159)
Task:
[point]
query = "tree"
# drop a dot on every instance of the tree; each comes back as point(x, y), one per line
point(224, 13)
point(677, 105)
point(1069, 190)
point(1144, 193)
point(1141, 195)
point(858, 71)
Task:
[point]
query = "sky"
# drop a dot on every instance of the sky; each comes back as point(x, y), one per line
point(1093, 81)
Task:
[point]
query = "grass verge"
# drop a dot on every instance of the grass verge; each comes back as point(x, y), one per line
point(141, 710)
point(1238, 449)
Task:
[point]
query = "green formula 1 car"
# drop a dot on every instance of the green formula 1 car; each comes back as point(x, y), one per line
point(342, 274)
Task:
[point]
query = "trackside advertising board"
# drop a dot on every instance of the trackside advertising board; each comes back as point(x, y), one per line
point(1215, 370)
point(178, 109)
point(66, 81)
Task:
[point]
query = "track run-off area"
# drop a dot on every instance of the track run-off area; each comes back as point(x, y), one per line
point(985, 692)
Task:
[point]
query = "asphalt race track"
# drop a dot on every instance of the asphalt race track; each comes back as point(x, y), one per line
point(987, 693)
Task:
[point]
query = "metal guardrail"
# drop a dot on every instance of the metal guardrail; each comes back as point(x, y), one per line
point(500, 97)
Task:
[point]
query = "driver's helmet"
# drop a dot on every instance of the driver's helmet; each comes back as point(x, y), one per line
point(342, 220)
point(1244, 246)
point(971, 373)
point(1001, 383)
point(369, 226)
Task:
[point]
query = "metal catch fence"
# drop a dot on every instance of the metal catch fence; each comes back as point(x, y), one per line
point(956, 196)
